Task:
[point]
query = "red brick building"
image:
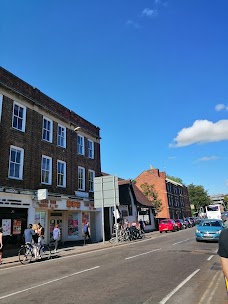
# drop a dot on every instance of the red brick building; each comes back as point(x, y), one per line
point(44, 145)
point(174, 196)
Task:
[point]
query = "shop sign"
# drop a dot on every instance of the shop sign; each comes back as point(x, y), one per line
point(47, 204)
point(73, 204)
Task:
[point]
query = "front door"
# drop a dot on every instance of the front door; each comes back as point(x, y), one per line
point(54, 221)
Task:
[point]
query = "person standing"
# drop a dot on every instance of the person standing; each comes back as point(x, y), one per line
point(1, 245)
point(35, 238)
point(40, 232)
point(28, 233)
point(56, 236)
point(223, 251)
point(86, 230)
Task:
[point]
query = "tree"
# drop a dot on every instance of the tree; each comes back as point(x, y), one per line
point(175, 179)
point(226, 200)
point(198, 196)
point(152, 196)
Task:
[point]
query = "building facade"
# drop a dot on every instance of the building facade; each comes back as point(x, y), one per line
point(173, 195)
point(44, 145)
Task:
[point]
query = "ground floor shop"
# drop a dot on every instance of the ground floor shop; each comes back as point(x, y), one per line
point(17, 211)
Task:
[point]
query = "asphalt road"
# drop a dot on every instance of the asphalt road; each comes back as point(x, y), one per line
point(171, 268)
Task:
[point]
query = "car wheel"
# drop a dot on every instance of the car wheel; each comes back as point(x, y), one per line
point(160, 231)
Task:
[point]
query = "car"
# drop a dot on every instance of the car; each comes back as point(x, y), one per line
point(167, 225)
point(180, 224)
point(209, 230)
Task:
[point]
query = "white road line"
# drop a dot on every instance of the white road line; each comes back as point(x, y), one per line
point(210, 257)
point(134, 256)
point(163, 301)
point(181, 241)
point(49, 282)
point(209, 288)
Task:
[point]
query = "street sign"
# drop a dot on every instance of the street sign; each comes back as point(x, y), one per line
point(106, 191)
point(42, 194)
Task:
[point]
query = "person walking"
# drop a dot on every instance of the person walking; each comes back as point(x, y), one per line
point(86, 230)
point(56, 236)
point(1, 245)
point(223, 251)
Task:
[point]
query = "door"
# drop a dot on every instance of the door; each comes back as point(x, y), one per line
point(55, 221)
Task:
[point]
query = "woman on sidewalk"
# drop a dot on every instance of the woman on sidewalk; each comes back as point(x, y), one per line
point(1, 245)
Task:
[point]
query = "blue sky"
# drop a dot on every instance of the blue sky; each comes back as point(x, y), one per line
point(152, 74)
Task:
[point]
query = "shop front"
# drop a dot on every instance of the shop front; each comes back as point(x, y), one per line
point(70, 216)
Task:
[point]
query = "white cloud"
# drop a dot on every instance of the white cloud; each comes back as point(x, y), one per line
point(133, 24)
point(202, 131)
point(207, 158)
point(220, 107)
point(149, 12)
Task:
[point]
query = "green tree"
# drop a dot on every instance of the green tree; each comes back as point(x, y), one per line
point(226, 201)
point(175, 179)
point(152, 195)
point(198, 196)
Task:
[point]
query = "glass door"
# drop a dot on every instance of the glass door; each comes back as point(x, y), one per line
point(55, 221)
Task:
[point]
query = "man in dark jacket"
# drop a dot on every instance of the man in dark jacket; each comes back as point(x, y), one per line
point(223, 251)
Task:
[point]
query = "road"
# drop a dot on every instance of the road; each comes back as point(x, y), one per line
point(170, 268)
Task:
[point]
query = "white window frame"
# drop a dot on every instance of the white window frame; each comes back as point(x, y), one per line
point(81, 144)
point(61, 137)
point(63, 175)
point(22, 118)
point(50, 132)
point(90, 149)
point(21, 163)
point(1, 99)
point(81, 178)
point(91, 174)
point(47, 170)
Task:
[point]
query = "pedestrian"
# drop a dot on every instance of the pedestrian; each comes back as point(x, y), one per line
point(223, 251)
point(41, 234)
point(142, 225)
point(28, 233)
point(35, 238)
point(1, 245)
point(86, 230)
point(56, 236)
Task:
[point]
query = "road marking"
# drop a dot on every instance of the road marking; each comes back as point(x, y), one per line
point(209, 288)
point(134, 256)
point(210, 257)
point(163, 301)
point(49, 282)
point(181, 241)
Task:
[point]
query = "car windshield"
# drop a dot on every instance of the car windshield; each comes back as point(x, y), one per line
point(164, 222)
point(211, 223)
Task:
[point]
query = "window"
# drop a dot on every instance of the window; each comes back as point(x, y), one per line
point(47, 129)
point(61, 173)
point(46, 170)
point(61, 136)
point(80, 145)
point(1, 98)
point(90, 149)
point(18, 117)
point(81, 178)
point(16, 162)
point(91, 180)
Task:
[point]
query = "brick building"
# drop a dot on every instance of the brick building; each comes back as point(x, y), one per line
point(174, 196)
point(44, 145)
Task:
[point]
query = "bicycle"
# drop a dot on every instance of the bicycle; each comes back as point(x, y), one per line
point(26, 253)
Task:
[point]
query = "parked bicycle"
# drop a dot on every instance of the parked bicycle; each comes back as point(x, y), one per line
point(26, 253)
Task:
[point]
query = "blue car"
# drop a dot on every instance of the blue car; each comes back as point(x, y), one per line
point(209, 230)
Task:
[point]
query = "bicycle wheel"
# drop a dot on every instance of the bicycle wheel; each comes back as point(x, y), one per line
point(45, 252)
point(25, 255)
point(113, 240)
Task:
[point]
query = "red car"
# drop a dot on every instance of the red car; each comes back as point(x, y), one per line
point(167, 225)
point(179, 223)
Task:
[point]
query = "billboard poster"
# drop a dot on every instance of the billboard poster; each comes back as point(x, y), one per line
point(6, 226)
point(16, 227)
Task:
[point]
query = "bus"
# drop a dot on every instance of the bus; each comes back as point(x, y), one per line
point(214, 211)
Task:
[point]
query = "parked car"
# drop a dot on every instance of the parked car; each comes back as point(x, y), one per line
point(167, 225)
point(190, 222)
point(180, 224)
point(209, 230)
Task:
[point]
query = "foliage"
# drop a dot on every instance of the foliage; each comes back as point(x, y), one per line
point(198, 196)
point(152, 195)
point(175, 179)
point(226, 200)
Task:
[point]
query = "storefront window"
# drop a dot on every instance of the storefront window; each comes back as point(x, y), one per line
point(40, 217)
point(72, 224)
point(144, 214)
